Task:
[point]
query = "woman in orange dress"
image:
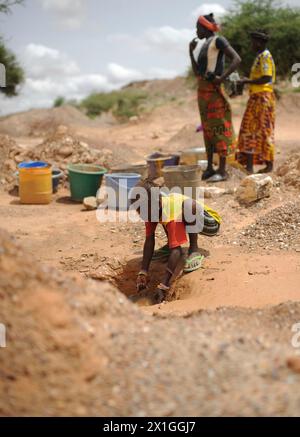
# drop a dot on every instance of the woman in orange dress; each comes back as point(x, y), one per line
point(256, 139)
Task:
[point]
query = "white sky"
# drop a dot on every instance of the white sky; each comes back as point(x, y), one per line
point(74, 47)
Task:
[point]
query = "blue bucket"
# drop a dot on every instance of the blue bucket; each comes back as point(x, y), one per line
point(33, 164)
point(118, 188)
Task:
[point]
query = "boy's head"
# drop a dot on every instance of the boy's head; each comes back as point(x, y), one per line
point(146, 200)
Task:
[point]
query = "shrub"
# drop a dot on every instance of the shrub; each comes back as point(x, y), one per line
point(123, 104)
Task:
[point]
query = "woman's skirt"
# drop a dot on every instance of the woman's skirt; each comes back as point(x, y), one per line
point(216, 117)
point(257, 129)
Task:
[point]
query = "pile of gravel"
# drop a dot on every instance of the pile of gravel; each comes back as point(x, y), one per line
point(62, 148)
point(58, 149)
point(277, 229)
point(11, 156)
point(290, 171)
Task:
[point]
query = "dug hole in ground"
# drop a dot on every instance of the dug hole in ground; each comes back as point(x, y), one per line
point(76, 345)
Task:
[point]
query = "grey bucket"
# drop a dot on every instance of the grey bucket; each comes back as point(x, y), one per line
point(141, 169)
point(183, 176)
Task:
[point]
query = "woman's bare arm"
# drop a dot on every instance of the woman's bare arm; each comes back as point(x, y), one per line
point(235, 62)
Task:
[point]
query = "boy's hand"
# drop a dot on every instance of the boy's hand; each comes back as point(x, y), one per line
point(142, 281)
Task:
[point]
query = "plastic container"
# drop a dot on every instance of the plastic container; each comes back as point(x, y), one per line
point(173, 160)
point(35, 183)
point(141, 169)
point(57, 174)
point(157, 161)
point(85, 180)
point(120, 184)
point(183, 177)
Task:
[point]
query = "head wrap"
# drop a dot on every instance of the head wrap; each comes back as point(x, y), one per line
point(213, 27)
point(260, 34)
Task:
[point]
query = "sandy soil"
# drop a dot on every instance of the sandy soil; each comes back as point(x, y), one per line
point(244, 280)
point(79, 348)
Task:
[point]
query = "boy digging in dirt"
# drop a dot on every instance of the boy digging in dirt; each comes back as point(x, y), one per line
point(179, 215)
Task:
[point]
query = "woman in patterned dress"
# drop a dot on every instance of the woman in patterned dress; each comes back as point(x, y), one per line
point(256, 139)
point(214, 107)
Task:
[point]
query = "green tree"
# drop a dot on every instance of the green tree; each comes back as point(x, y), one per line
point(14, 72)
point(59, 101)
point(5, 5)
point(282, 23)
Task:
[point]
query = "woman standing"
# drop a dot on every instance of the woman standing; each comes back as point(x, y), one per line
point(256, 139)
point(214, 107)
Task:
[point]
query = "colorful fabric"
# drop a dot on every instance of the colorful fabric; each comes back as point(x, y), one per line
point(175, 230)
point(263, 66)
point(216, 117)
point(213, 27)
point(172, 207)
point(257, 129)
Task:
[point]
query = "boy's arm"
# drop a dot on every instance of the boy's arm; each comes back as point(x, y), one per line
point(148, 252)
point(173, 261)
point(142, 279)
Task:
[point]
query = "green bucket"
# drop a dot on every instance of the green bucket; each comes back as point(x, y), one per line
point(85, 180)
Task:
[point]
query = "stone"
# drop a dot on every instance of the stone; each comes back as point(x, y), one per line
point(65, 151)
point(90, 203)
point(10, 165)
point(101, 197)
point(283, 170)
point(213, 192)
point(19, 159)
point(254, 188)
point(62, 130)
point(293, 363)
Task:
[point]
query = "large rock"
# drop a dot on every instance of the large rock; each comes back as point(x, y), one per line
point(253, 188)
point(90, 203)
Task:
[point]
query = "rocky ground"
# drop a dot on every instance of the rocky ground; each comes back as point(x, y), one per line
point(220, 345)
point(277, 229)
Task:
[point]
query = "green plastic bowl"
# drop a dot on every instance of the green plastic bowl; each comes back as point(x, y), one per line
point(85, 180)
